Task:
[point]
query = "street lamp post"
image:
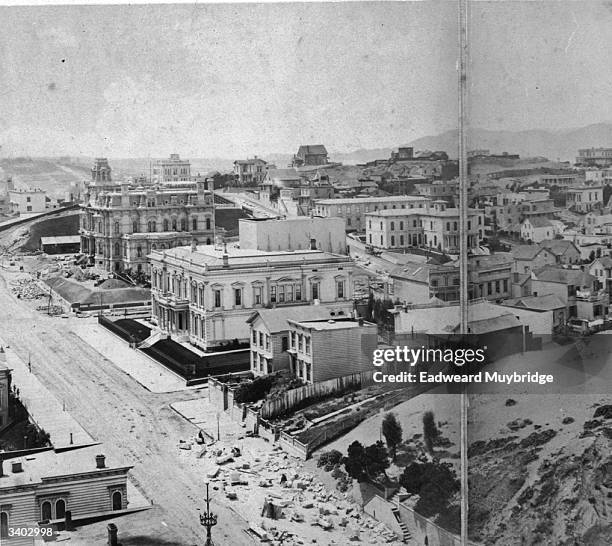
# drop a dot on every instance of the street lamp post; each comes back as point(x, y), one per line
point(208, 520)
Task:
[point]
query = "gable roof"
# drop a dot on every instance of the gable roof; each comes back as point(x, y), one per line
point(560, 275)
point(526, 252)
point(605, 261)
point(547, 302)
point(558, 246)
point(311, 149)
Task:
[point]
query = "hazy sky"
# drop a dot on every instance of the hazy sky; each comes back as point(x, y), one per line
point(225, 80)
point(236, 80)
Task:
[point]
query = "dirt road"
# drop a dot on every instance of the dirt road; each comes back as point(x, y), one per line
point(139, 425)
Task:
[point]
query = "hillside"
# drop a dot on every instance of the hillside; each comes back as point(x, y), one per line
point(542, 476)
point(49, 174)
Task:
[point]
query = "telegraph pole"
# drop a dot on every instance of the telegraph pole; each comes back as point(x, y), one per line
point(463, 251)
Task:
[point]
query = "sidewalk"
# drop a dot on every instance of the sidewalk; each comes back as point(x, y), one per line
point(150, 374)
point(44, 409)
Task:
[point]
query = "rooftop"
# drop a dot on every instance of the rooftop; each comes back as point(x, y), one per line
point(330, 324)
point(482, 317)
point(276, 319)
point(51, 464)
point(60, 239)
point(428, 211)
point(560, 275)
point(213, 256)
point(557, 246)
point(547, 302)
point(371, 200)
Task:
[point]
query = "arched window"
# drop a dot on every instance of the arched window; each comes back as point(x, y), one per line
point(183, 224)
point(117, 504)
point(60, 509)
point(116, 249)
point(166, 226)
point(207, 223)
point(149, 226)
point(139, 251)
point(134, 226)
point(4, 523)
point(116, 227)
point(392, 226)
point(194, 224)
point(45, 511)
point(208, 241)
point(174, 224)
point(154, 224)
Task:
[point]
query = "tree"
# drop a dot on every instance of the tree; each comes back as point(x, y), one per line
point(363, 463)
point(591, 256)
point(392, 431)
point(355, 461)
point(377, 459)
point(430, 431)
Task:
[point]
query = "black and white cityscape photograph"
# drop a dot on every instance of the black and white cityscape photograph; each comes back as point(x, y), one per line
point(306, 273)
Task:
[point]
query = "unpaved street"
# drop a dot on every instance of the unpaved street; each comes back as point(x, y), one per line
point(119, 412)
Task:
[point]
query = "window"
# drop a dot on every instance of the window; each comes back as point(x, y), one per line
point(497, 287)
point(183, 224)
point(134, 226)
point(315, 291)
point(392, 226)
point(217, 298)
point(165, 225)
point(307, 344)
point(392, 240)
point(284, 343)
point(174, 224)
point(401, 226)
point(117, 500)
point(60, 509)
point(273, 294)
point(139, 251)
point(28, 199)
point(207, 223)
point(45, 511)
point(298, 292)
point(237, 296)
point(267, 342)
point(116, 228)
point(261, 339)
point(401, 240)
point(258, 295)
point(340, 289)
point(4, 523)
point(194, 224)
point(116, 249)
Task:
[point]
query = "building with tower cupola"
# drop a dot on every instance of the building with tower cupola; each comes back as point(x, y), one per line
point(122, 222)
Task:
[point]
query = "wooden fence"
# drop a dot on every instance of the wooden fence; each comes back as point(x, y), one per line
point(293, 399)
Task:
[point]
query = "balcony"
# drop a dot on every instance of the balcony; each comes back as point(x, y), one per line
point(171, 300)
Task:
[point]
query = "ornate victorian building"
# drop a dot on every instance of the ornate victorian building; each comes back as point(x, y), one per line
point(122, 223)
point(205, 295)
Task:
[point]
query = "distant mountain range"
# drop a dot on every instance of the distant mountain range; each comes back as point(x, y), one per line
point(560, 145)
point(556, 145)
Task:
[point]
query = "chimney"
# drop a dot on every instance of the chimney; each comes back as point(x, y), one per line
point(100, 459)
point(225, 260)
point(313, 244)
point(111, 529)
point(17, 467)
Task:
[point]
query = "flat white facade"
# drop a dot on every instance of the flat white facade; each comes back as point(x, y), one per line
point(30, 201)
point(302, 233)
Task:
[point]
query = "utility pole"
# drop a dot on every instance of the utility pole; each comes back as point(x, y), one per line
point(463, 250)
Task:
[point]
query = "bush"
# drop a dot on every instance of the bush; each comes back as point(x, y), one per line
point(254, 390)
point(333, 458)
